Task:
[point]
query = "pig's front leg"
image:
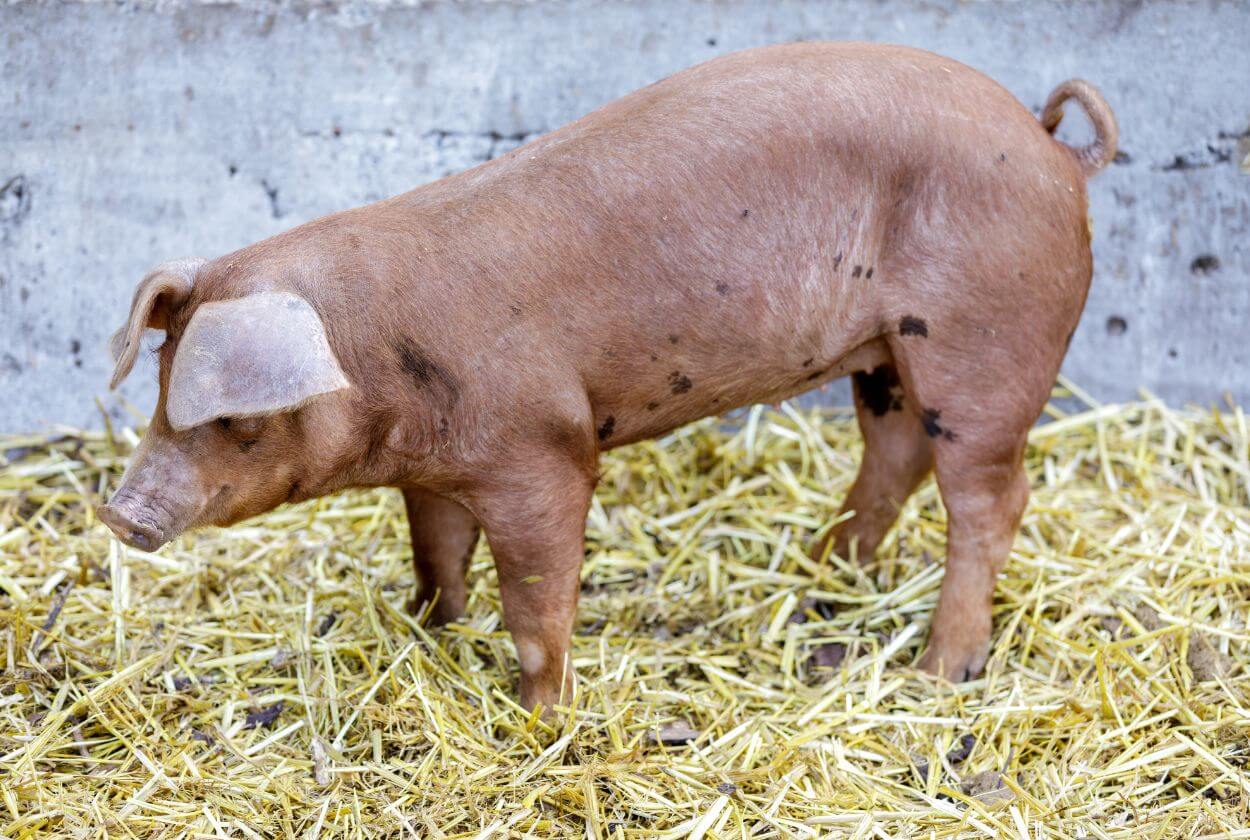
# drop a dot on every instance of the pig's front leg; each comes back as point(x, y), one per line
point(444, 535)
point(535, 521)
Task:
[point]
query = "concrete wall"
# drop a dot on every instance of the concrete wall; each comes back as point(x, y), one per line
point(132, 133)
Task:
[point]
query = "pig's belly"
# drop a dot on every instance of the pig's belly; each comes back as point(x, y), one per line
point(658, 398)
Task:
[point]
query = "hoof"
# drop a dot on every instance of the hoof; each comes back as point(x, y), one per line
point(955, 665)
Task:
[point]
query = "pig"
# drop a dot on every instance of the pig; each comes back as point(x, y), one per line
point(740, 232)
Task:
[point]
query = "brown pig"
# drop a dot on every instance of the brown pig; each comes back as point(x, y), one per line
point(739, 232)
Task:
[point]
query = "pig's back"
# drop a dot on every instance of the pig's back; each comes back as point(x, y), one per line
point(707, 240)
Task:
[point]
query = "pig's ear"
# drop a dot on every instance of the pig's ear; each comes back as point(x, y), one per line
point(254, 355)
point(163, 290)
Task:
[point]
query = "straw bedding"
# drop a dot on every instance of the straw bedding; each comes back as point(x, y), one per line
point(266, 681)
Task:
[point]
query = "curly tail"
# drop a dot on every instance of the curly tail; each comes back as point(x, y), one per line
point(1098, 154)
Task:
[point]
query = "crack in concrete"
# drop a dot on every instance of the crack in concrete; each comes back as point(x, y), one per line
point(272, 192)
point(14, 200)
point(1213, 154)
point(499, 141)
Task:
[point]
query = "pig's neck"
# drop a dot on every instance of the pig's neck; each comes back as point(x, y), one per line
point(398, 441)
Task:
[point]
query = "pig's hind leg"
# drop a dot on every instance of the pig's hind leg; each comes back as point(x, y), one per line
point(976, 395)
point(444, 535)
point(897, 456)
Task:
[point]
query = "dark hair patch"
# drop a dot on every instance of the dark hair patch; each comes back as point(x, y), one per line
point(929, 418)
point(606, 428)
point(875, 389)
point(911, 325)
point(427, 373)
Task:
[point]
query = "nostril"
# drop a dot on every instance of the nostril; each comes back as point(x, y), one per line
point(128, 530)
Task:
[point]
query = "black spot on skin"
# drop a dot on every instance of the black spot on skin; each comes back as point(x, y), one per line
point(808, 361)
point(652, 406)
point(875, 389)
point(654, 358)
point(245, 445)
point(858, 270)
point(679, 383)
point(1002, 158)
point(427, 373)
point(746, 213)
point(291, 494)
point(673, 338)
point(1205, 264)
point(444, 427)
point(911, 325)
point(515, 308)
point(1116, 325)
point(722, 288)
point(837, 261)
point(606, 428)
point(929, 418)
point(868, 274)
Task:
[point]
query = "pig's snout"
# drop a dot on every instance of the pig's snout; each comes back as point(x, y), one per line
point(131, 525)
point(147, 517)
point(159, 497)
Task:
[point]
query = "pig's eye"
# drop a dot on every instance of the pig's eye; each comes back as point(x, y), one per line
point(246, 429)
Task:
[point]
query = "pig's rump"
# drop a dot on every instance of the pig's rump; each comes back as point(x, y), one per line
point(751, 227)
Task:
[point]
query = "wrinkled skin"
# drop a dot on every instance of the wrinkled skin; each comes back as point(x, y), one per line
point(740, 232)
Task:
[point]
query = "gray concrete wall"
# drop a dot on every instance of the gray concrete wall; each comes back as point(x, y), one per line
point(132, 133)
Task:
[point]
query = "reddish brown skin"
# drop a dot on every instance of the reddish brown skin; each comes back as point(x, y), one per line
point(740, 232)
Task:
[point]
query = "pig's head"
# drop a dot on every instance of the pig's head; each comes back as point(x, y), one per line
point(248, 380)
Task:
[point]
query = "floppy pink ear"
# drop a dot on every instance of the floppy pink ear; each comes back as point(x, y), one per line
point(163, 290)
point(260, 354)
